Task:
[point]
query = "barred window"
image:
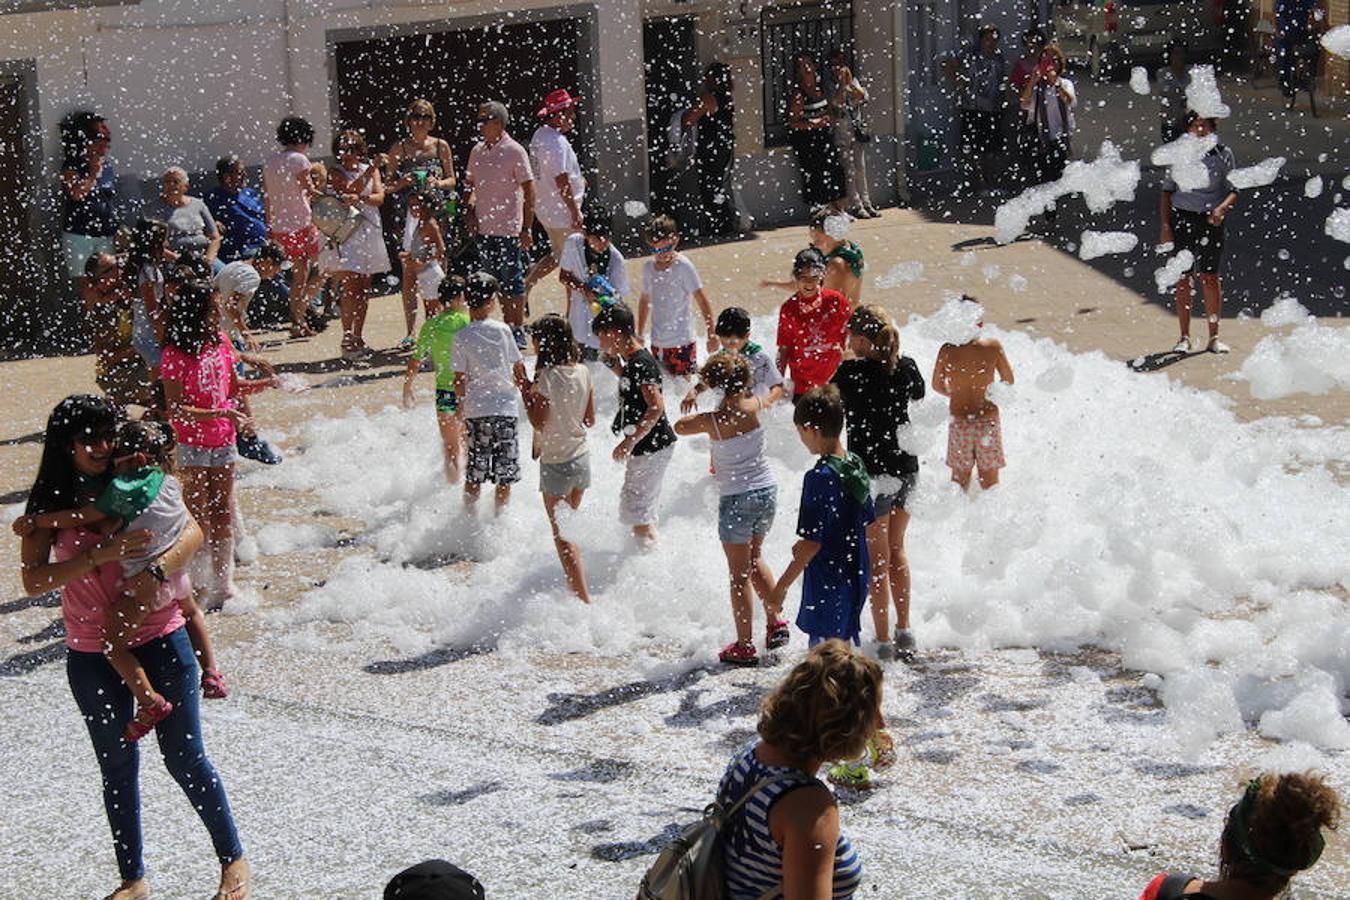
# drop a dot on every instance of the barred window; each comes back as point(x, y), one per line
point(817, 28)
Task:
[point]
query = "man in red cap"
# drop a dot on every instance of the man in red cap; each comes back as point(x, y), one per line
point(558, 174)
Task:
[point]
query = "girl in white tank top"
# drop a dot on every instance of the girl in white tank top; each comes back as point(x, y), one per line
point(748, 499)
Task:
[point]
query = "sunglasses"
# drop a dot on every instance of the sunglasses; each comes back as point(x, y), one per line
point(662, 248)
point(419, 117)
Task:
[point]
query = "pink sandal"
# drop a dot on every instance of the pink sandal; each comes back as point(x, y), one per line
point(147, 717)
point(213, 685)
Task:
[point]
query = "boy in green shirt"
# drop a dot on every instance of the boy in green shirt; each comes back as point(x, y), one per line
point(446, 315)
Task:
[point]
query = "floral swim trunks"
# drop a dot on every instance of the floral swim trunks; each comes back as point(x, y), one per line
point(974, 442)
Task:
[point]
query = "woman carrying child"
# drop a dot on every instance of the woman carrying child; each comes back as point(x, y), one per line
point(560, 403)
point(748, 499)
point(362, 254)
point(200, 386)
point(877, 386)
point(77, 453)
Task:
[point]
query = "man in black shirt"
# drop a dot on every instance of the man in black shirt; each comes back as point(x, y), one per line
point(647, 439)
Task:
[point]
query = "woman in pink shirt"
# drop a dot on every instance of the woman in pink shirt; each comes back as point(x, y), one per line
point(84, 566)
point(200, 385)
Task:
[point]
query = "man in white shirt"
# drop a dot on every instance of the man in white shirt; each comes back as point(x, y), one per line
point(561, 185)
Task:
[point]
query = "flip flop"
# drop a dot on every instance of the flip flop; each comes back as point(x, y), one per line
point(147, 717)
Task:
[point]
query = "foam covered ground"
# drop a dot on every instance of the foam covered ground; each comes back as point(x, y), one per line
point(1150, 606)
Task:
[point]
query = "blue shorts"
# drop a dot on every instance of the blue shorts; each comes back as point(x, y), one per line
point(501, 258)
point(446, 402)
point(743, 517)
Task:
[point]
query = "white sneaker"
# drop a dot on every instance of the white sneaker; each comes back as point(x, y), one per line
point(1217, 346)
point(1183, 346)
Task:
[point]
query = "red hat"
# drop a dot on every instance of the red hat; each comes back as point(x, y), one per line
point(556, 102)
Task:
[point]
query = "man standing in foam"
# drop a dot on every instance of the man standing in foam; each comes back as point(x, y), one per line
point(648, 441)
point(562, 189)
point(489, 371)
point(670, 285)
point(1192, 220)
point(963, 374)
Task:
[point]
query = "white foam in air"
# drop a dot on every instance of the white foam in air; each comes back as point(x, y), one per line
point(1103, 182)
point(1139, 80)
point(901, 273)
point(1209, 555)
point(1259, 175)
point(1170, 272)
point(1338, 224)
point(1202, 94)
point(1337, 41)
point(1101, 243)
point(1184, 158)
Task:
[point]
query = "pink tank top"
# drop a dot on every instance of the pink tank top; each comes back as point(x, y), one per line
point(85, 601)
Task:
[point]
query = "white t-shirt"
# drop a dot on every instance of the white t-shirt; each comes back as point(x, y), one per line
point(1054, 123)
point(287, 199)
point(563, 437)
point(573, 261)
point(238, 277)
point(671, 293)
point(552, 155)
point(764, 372)
point(486, 353)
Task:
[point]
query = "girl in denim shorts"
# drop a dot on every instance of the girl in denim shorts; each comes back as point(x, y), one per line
point(749, 498)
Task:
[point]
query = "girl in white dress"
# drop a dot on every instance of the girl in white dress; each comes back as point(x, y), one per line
point(363, 254)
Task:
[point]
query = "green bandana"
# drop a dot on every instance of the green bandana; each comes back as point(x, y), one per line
point(852, 474)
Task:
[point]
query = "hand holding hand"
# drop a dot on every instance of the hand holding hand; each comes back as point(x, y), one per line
point(689, 403)
point(24, 526)
point(526, 239)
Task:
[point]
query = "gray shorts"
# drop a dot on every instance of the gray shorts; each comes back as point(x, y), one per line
point(207, 457)
point(743, 517)
point(561, 479)
point(898, 498)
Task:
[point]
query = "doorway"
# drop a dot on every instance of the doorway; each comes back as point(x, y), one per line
point(934, 30)
point(22, 272)
point(671, 71)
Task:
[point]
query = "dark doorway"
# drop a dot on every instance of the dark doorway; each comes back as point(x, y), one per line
point(456, 70)
point(20, 266)
point(670, 53)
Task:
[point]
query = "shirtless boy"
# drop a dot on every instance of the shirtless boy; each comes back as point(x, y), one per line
point(844, 264)
point(974, 439)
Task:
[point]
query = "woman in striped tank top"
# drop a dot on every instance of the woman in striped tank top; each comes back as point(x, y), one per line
point(785, 841)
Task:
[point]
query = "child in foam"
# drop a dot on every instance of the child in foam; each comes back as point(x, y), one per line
point(733, 334)
point(561, 406)
point(647, 442)
point(585, 255)
point(289, 182)
point(963, 373)
point(423, 253)
point(143, 495)
point(489, 371)
point(748, 499)
point(830, 555)
point(447, 315)
point(811, 326)
point(877, 386)
point(670, 287)
point(1271, 834)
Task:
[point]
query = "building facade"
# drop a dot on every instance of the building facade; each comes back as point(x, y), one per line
point(183, 82)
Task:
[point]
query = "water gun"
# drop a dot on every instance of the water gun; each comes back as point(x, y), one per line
point(604, 293)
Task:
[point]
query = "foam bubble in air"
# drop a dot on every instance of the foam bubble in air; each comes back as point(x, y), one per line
point(1139, 81)
point(1259, 175)
point(1170, 273)
point(1202, 94)
point(1102, 243)
point(1337, 41)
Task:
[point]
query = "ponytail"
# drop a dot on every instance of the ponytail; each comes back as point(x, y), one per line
point(875, 324)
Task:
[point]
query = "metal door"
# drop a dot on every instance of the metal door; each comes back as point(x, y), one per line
point(933, 33)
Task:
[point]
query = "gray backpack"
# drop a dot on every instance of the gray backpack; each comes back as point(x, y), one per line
point(691, 867)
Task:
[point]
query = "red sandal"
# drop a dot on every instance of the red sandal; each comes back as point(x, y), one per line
point(147, 717)
point(213, 685)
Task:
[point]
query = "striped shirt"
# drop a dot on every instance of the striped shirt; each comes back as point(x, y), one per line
point(754, 860)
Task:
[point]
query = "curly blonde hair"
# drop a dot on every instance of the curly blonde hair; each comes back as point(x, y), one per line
point(729, 372)
point(827, 707)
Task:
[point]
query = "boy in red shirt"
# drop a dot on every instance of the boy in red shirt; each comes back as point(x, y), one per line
point(812, 326)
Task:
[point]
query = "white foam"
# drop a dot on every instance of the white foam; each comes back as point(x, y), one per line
point(1338, 224)
point(1139, 81)
point(1312, 188)
point(1202, 94)
point(1337, 41)
point(837, 226)
point(1259, 175)
point(1170, 272)
point(1312, 359)
point(1090, 538)
point(634, 209)
point(1101, 243)
point(901, 273)
point(1103, 182)
point(1284, 311)
point(1184, 158)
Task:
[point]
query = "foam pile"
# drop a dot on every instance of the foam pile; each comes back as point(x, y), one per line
point(1209, 555)
point(1311, 359)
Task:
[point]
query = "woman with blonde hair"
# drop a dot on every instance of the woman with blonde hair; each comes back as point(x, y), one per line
point(1272, 833)
point(877, 386)
point(786, 836)
point(419, 162)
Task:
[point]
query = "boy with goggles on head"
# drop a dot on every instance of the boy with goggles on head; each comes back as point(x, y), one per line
point(670, 286)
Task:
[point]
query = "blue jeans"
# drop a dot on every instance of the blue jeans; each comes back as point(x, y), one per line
point(107, 706)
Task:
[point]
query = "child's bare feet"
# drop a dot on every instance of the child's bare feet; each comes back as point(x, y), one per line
point(131, 890)
point(234, 879)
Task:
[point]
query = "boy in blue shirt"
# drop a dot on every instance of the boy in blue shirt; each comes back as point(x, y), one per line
point(836, 507)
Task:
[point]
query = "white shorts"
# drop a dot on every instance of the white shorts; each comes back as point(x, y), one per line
point(641, 491)
point(429, 282)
